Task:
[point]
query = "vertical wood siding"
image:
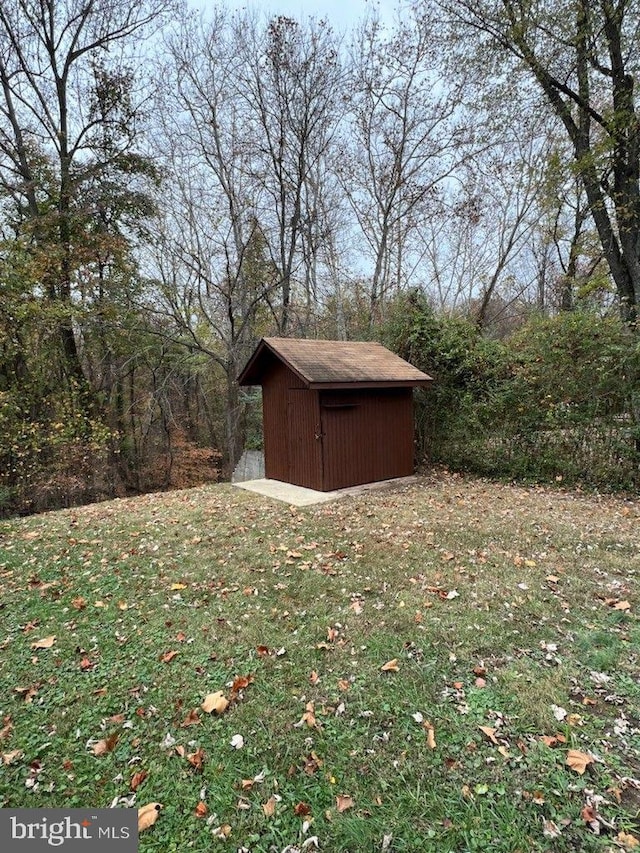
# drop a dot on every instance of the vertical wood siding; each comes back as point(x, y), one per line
point(291, 419)
point(367, 436)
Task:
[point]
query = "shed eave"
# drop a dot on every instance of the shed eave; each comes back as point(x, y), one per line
point(254, 372)
point(369, 383)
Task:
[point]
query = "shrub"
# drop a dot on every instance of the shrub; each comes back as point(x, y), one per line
point(557, 400)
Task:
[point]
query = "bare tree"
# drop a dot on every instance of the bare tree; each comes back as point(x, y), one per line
point(582, 57)
point(404, 139)
point(289, 84)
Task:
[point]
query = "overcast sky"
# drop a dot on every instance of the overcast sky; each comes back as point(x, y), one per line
point(341, 14)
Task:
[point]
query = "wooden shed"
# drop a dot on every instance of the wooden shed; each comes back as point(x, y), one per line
point(335, 413)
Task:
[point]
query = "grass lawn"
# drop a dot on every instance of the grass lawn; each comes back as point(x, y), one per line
point(451, 666)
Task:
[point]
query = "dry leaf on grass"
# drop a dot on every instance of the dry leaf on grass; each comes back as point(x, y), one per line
point(629, 841)
point(431, 735)
point(344, 802)
point(137, 779)
point(102, 747)
point(192, 719)
point(578, 761)
point(241, 682)
point(221, 832)
point(201, 809)
point(490, 733)
point(390, 666)
point(44, 643)
point(269, 807)
point(196, 758)
point(215, 703)
point(148, 815)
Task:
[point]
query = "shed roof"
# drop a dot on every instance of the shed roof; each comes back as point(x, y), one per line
point(333, 364)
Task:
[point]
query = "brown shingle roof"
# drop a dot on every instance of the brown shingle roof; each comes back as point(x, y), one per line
point(333, 363)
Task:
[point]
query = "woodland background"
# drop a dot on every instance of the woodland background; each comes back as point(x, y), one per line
point(463, 186)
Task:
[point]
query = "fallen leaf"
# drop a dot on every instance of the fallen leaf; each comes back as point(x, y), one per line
point(578, 761)
point(215, 703)
point(167, 657)
point(137, 779)
point(589, 814)
point(344, 802)
point(10, 757)
point(630, 841)
point(201, 809)
point(79, 603)
point(27, 693)
point(390, 666)
point(490, 733)
point(175, 587)
point(314, 678)
point(309, 716)
point(431, 736)
point(45, 643)
point(302, 809)
point(269, 807)
point(550, 829)
point(312, 764)
point(148, 815)
point(196, 758)
point(237, 742)
point(241, 682)
point(192, 719)
point(622, 605)
point(105, 745)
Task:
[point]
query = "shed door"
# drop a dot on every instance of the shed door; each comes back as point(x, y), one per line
point(344, 442)
point(304, 452)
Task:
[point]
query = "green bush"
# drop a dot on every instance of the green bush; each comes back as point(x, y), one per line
point(558, 400)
